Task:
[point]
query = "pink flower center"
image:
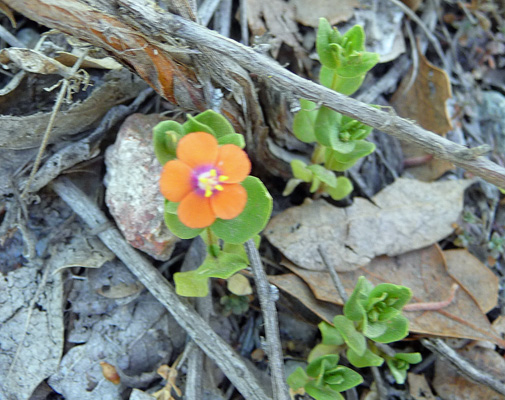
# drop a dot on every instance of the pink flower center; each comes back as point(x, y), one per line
point(207, 180)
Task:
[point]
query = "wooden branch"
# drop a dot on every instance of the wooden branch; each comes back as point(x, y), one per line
point(137, 33)
point(185, 315)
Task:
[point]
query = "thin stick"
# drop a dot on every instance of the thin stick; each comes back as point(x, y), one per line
point(56, 108)
point(275, 357)
point(466, 368)
point(207, 10)
point(334, 275)
point(202, 334)
point(381, 389)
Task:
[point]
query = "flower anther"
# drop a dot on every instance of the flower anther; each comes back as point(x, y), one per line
point(205, 178)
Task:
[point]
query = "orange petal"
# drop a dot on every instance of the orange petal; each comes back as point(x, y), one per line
point(233, 162)
point(229, 202)
point(175, 180)
point(197, 148)
point(194, 211)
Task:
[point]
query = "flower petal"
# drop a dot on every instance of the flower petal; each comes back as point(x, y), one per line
point(233, 162)
point(194, 211)
point(175, 180)
point(197, 148)
point(230, 202)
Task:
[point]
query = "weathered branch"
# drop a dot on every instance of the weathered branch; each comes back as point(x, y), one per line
point(137, 33)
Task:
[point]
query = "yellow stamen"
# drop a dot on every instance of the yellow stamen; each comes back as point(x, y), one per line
point(218, 187)
point(203, 180)
point(208, 193)
point(213, 172)
point(223, 178)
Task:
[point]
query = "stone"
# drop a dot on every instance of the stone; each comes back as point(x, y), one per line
point(132, 191)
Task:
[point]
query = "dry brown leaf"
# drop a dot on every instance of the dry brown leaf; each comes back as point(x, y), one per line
point(309, 12)
point(425, 100)
point(405, 216)
point(419, 388)
point(424, 272)
point(451, 385)
point(238, 284)
point(33, 61)
point(477, 279)
point(293, 285)
point(5, 9)
point(278, 18)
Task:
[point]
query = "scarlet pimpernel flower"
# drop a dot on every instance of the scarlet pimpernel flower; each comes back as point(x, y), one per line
point(205, 180)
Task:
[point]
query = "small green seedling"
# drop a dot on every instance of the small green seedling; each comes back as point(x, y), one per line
point(371, 315)
point(339, 140)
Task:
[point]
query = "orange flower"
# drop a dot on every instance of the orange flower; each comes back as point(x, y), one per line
point(205, 178)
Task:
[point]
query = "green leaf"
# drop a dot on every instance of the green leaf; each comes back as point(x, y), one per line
point(411, 358)
point(303, 122)
point(316, 182)
point(357, 64)
point(399, 374)
point(330, 334)
point(342, 379)
point(298, 379)
point(344, 188)
point(326, 35)
point(338, 161)
point(354, 339)
point(176, 226)
point(369, 359)
point(300, 170)
point(322, 364)
point(354, 309)
point(345, 85)
point(391, 299)
point(171, 207)
point(217, 122)
point(166, 134)
point(326, 126)
point(252, 220)
point(239, 249)
point(397, 328)
point(291, 186)
point(194, 283)
point(321, 349)
point(234, 138)
point(323, 174)
point(193, 125)
point(322, 392)
point(355, 39)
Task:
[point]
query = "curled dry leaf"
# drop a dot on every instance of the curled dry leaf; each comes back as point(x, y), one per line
point(309, 12)
point(405, 216)
point(33, 61)
point(424, 99)
point(425, 272)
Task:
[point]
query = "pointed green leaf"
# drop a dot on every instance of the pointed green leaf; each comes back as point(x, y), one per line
point(355, 39)
point(354, 339)
point(342, 379)
point(320, 350)
point(234, 138)
point(297, 379)
point(252, 220)
point(323, 174)
point(399, 374)
point(300, 170)
point(303, 122)
point(326, 126)
point(354, 309)
point(166, 134)
point(193, 125)
point(411, 358)
point(357, 64)
point(369, 359)
point(326, 35)
point(322, 364)
point(392, 297)
point(330, 334)
point(217, 122)
point(291, 186)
